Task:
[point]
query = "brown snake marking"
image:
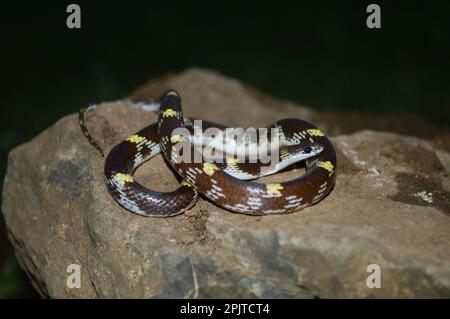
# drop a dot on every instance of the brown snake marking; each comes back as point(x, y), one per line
point(213, 180)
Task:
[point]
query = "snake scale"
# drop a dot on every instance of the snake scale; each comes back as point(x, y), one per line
point(225, 184)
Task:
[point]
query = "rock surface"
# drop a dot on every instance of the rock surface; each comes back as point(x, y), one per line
point(390, 207)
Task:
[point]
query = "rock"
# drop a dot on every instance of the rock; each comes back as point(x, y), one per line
point(390, 207)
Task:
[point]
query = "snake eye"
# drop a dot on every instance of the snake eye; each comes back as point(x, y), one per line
point(308, 149)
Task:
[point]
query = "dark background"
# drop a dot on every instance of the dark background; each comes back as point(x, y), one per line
point(318, 53)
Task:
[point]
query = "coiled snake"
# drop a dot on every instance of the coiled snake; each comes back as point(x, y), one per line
point(225, 184)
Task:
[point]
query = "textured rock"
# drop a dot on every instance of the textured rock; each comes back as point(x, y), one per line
point(390, 207)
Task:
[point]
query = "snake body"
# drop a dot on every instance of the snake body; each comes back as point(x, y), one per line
point(225, 184)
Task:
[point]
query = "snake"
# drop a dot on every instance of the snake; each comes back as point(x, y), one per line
point(229, 184)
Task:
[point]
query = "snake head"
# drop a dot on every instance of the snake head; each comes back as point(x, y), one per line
point(292, 154)
point(303, 151)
